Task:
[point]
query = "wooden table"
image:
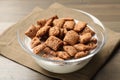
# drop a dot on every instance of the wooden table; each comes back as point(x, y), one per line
point(12, 11)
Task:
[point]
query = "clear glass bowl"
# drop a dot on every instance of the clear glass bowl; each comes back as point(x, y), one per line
point(65, 66)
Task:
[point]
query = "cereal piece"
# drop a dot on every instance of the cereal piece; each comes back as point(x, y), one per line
point(85, 37)
point(39, 48)
point(92, 45)
point(54, 31)
point(59, 22)
point(88, 30)
point(82, 47)
point(53, 42)
point(68, 19)
point(63, 55)
point(41, 22)
point(71, 37)
point(80, 26)
point(56, 58)
point(49, 51)
point(69, 25)
point(42, 31)
point(81, 54)
point(34, 42)
point(70, 50)
point(31, 32)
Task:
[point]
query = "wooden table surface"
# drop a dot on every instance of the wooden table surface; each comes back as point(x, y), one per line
point(11, 11)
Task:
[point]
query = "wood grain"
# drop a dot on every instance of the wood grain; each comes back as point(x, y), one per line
point(12, 71)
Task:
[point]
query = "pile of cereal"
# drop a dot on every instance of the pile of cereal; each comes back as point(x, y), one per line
point(61, 38)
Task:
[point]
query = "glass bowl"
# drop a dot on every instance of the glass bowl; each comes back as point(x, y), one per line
point(66, 66)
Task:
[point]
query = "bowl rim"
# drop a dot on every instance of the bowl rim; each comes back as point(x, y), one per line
point(95, 20)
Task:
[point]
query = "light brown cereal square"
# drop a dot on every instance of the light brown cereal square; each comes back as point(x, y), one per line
point(81, 54)
point(42, 31)
point(82, 47)
point(85, 37)
point(88, 30)
point(35, 41)
point(53, 42)
point(69, 25)
point(70, 50)
point(39, 48)
point(58, 22)
point(92, 43)
point(49, 51)
point(54, 31)
point(80, 26)
point(71, 37)
point(31, 31)
point(63, 55)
